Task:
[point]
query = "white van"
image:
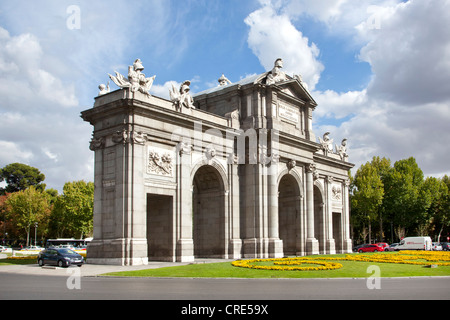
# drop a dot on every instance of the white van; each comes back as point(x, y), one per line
point(414, 243)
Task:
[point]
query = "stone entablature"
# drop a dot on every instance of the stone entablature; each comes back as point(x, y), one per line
point(231, 172)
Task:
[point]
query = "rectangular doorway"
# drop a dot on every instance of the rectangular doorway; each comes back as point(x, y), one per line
point(337, 231)
point(159, 227)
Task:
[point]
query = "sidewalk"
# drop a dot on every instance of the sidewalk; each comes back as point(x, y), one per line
point(92, 270)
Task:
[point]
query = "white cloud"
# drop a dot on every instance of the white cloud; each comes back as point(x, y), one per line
point(410, 54)
point(273, 36)
point(11, 152)
point(339, 105)
point(405, 110)
point(163, 90)
point(38, 113)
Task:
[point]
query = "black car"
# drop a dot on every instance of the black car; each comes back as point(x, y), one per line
point(62, 257)
point(445, 246)
point(355, 249)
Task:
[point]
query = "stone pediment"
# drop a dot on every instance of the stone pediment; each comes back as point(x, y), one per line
point(295, 88)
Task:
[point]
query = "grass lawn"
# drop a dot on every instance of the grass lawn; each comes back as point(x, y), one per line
point(350, 269)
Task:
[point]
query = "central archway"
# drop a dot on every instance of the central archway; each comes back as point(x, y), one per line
point(289, 213)
point(208, 212)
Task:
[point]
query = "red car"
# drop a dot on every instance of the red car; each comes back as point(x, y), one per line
point(383, 245)
point(370, 248)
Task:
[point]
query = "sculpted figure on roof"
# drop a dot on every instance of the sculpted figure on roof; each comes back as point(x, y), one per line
point(276, 75)
point(136, 79)
point(182, 98)
point(223, 81)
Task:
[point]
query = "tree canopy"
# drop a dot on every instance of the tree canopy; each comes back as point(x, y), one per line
point(410, 203)
point(19, 176)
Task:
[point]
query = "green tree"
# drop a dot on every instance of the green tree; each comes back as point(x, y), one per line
point(383, 168)
point(439, 209)
point(72, 212)
point(27, 207)
point(19, 177)
point(408, 183)
point(367, 194)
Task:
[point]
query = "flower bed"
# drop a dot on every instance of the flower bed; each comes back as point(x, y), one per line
point(28, 257)
point(288, 264)
point(424, 258)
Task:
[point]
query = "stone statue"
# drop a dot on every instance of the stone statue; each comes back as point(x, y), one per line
point(327, 143)
point(136, 80)
point(223, 81)
point(103, 89)
point(276, 75)
point(342, 150)
point(182, 98)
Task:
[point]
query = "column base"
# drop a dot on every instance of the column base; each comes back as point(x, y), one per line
point(276, 248)
point(347, 246)
point(235, 249)
point(312, 246)
point(185, 250)
point(331, 247)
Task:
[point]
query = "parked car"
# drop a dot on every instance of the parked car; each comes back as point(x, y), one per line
point(61, 257)
point(2, 249)
point(445, 246)
point(414, 243)
point(391, 247)
point(370, 248)
point(384, 245)
point(356, 248)
point(33, 248)
point(436, 246)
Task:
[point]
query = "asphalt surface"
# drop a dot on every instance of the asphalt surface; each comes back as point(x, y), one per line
point(31, 282)
point(87, 270)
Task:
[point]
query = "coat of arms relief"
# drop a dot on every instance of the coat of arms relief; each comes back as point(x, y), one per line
point(159, 163)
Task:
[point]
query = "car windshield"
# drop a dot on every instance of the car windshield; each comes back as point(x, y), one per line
point(66, 251)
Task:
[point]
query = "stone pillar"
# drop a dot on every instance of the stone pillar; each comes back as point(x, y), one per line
point(312, 245)
point(275, 243)
point(235, 242)
point(330, 242)
point(347, 245)
point(136, 200)
point(120, 235)
point(185, 241)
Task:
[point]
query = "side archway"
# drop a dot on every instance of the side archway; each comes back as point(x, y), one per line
point(208, 212)
point(289, 212)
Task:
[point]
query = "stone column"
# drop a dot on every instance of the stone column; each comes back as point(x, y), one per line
point(96, 245)
point(185, 242)
point(275, 243)
point(312, 245)
point(136, 200)
point(347, 245)
point(330, 243)
point(235, 242)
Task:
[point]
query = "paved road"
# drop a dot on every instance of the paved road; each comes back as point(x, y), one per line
point(28, 286)
point(33, 282)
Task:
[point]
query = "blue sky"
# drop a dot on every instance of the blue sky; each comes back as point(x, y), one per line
point(379, 69)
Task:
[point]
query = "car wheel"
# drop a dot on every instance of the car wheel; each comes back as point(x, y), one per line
point(61, 264)
point(360, 251)
point(41, 262)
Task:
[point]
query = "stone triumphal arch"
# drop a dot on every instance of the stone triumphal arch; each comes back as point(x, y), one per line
point(231, 172)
